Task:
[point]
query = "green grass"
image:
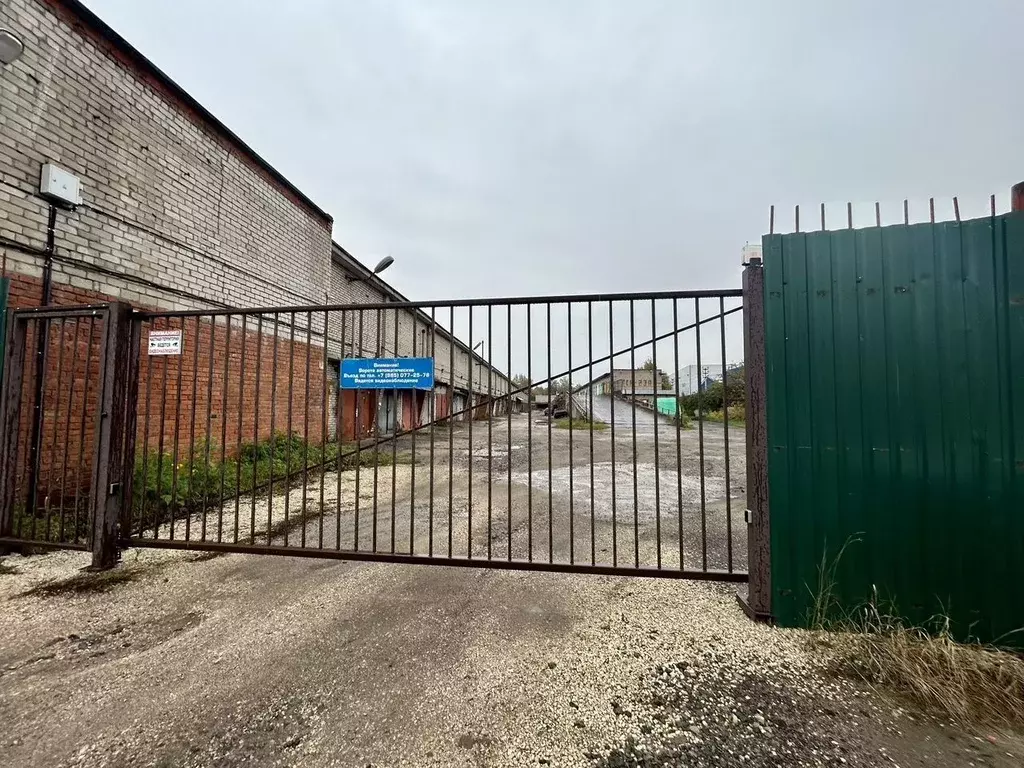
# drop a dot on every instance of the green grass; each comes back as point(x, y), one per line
point(583, 424)
point(679, 416)
point(74, 529)
point(737, 416)
point(200, 479)
point(971, 684)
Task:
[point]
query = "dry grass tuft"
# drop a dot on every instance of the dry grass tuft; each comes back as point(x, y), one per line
point(967, 683)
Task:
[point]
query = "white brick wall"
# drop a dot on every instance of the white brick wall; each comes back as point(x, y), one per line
point(345, 291)
point(166, 200)
point(174, 216)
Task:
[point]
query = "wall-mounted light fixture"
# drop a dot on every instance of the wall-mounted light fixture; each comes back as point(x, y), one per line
point(11, 47)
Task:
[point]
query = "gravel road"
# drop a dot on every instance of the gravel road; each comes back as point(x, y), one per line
point(186, 659)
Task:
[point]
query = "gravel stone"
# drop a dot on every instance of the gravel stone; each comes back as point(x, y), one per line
point(224, 661)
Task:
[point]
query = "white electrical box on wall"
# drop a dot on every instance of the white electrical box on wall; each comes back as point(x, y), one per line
point(60, 186)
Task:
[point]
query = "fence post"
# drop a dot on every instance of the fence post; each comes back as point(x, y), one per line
point(106, 496)
point(10, 417)
point(758, 602)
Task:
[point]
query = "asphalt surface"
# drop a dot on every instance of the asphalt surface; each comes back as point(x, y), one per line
point(619, 413)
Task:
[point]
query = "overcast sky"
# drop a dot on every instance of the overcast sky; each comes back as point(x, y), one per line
point(550, 147)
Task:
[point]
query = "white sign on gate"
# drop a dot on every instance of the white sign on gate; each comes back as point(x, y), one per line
point(165, 342)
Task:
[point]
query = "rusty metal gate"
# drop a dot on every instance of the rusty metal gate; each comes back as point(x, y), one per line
point(538, 445)
point(61, 471)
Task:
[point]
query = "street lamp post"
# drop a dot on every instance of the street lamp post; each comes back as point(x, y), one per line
point(383, 264)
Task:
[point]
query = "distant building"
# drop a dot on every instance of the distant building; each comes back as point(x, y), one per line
point(691, 378)
point(626, 380)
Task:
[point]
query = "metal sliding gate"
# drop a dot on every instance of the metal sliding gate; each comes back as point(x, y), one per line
point(592, 433)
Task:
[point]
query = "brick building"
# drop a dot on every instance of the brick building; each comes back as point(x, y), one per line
point(458, 371)
point(177, 213)
point(623, 380)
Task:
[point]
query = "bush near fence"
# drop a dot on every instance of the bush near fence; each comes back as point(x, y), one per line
point(717, 396)
point(202, 479)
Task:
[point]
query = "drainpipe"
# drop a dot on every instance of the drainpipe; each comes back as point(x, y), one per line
point(51, 230)
point(42, 337)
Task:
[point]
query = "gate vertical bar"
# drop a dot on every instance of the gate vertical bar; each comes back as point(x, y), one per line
point(224, 430)
point(109, 462)
point(551, 411)
point(38, 416)
point(529, 433)
point(433, 426)
point(61, 335)
point(757, 604)
point(192, 432)
point(396, 401)
point(508, 414)
point(725, 424)
point(569, 407)
point(323, 431)
point(490, 419)
point(238, 435)
point(131, 423)
point(67, 425)
point(414, 428)
point(472, 415)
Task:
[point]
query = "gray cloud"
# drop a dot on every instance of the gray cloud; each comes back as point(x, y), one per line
point(556, 147)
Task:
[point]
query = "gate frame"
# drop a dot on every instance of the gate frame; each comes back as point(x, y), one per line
point(113, 439)
point(114, 442)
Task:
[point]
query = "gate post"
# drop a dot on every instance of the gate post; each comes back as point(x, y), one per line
point(10, 414)
point(758, 602)
point(110, 464)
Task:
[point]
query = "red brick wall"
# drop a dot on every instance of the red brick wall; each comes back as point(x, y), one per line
point(165, 407)
point(235, 404)
point(70, 396)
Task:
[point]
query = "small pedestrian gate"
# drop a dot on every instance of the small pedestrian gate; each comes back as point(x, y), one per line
point(227, 431)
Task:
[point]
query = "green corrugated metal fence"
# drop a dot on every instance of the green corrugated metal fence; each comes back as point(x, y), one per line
point(895, 386)
point(667, 405)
